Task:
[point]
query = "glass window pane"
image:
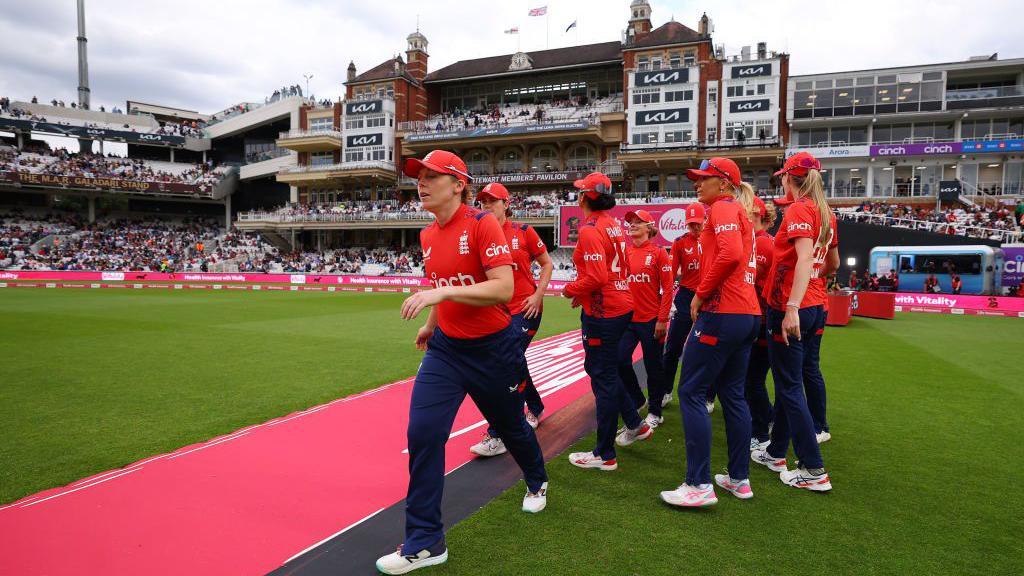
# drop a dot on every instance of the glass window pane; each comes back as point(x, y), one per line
point(931, 91)
point(858, 135)
point(840, 135)
point(864, 96)
point(932, 76)
point(803, 99)
point(882, 133)
point(844, 97)
point(843, 82)
point(804, 85)
point(886, 94)
point(865, 80)
point(909, 93)
point(891, 79)
point(900, 132)
point(924, 130)
point(1000, 126)
point(943, 131)
point(823, 84)
point(818, 136)
point(824, 98)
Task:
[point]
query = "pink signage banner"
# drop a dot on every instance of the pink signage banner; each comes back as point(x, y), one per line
point(671, 218)
point(318, 279)
point(960, 304)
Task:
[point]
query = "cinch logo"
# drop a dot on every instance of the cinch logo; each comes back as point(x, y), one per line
point(727, 228)
point(496, 249)
point(661, 117)
point(694, 265)
point(892, 151)
point(596, 257)
point(751, 71)
point(459, 279)
point(940, 149)
point(799, 226)
point(642, 278)
point(660, 78)
point(360, 108)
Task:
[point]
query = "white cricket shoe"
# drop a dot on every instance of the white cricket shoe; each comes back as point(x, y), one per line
point(740, 489)
point(710, 405)
point(772, 463)
point(396, 563)
point(756, 444)
point(534, 502)
point(823, 436)
point(653, 420)
point(589, 460)
point(489, 446)
point(691, 496)
point(532, 419)
point(803, 478)
point(628, 436)
point(666, 400)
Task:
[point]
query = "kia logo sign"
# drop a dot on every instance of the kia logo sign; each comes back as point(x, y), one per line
point(670, 116)
point(661, 78)
point(672, 224)
point(367, 107)
point(750, 106)
point(751, 71)
point(149, 137)
point(365, 140)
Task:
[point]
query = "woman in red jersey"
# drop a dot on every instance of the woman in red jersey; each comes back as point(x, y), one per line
point(650, 284)
point(527, 302)
point(602, 289)
point(470, 349)
point(726, 316)
point(761, 412)
point(686, 269)
point(806, 252)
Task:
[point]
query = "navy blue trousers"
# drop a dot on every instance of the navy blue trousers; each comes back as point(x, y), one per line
point(524, 329)
point(761, 412)
point(716, 352)
point(601, 340)
point(487, 369)
point(678, 330)
point(814, 382)
point(643, 333)
point(792, 417)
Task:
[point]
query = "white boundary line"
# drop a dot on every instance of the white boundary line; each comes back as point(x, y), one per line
point(79, 488)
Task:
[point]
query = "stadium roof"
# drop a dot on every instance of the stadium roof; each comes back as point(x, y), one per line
point(669, 33)
point(383, 71)
point(572, 56)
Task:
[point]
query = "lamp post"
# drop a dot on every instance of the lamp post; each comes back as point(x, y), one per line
point(307, 77)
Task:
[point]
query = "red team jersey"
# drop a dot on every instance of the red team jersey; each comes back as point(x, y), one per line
point(727, 263)
point(459, 254)
point(802, 220)
point(526, 246)
point(764, 254)
point(650, 282)
point(686, 261)
point(602, 269)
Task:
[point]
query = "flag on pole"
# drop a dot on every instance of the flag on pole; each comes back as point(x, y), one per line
point(512, 30)
point(571, 26)
point(543, 10)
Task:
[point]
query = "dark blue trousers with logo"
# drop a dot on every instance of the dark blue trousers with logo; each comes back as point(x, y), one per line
point(716, 352)
point(792, 417)
point(761, 412)
point(601, 340)
point(487, 369)
point(814, 382)
point(678, 330)
point(524, 329)
point(643, 333)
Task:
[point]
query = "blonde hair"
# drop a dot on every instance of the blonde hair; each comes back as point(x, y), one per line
point(814, 187)
point(771, 214)
point(745, 196)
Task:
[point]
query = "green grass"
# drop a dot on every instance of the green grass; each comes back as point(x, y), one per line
point(92, 380)
point(926, 459)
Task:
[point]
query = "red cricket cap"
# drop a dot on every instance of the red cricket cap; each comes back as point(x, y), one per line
point(594, 184)
point(799, 164)
point(716, 167)
point(641, 215)
point(695, 213)
point(440, 161)
point(759, 206)
point(494, 190)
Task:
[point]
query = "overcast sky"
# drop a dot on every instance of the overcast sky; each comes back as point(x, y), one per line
point(206, 55)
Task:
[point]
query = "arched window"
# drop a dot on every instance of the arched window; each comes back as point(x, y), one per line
point(478, 162)
point(544, 158)
point(581, 157)
point(510, 161)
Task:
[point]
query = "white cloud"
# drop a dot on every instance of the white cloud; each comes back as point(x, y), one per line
point(207, 55)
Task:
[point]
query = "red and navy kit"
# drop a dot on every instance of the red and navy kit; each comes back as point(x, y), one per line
point(650, 282)
point(686, 261)
point(761, 412)
point(459, 254)
point(728, 266)
point(764, 255)
point(473, 351)
point(602, 269)
point(526, 246)
point(802, 220)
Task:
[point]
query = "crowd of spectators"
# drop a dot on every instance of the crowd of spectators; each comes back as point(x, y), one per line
point(576, 108)
point(971, 220)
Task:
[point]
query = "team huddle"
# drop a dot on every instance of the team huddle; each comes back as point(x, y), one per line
point(744, 303)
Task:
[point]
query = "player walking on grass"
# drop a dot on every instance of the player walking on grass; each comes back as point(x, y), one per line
point(650, 284)
point(602, 289)
point(470, 349)
point(806, 252)
point(726, 316)
point(761, 412)
point(686, 269)
point(527, 302)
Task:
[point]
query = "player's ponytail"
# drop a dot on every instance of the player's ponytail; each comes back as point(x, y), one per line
point(813, 186)
point(745, 196)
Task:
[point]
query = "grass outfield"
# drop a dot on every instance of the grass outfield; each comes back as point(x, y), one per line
point(926, 459)
point(92, 380)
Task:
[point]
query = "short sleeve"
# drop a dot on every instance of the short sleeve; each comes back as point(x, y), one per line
point(491, 245)
point(799, 222)
point(534, 245)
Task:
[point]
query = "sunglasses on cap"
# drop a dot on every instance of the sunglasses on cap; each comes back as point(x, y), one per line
point(705, 164)
point(806, 163)
point(600, 188)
